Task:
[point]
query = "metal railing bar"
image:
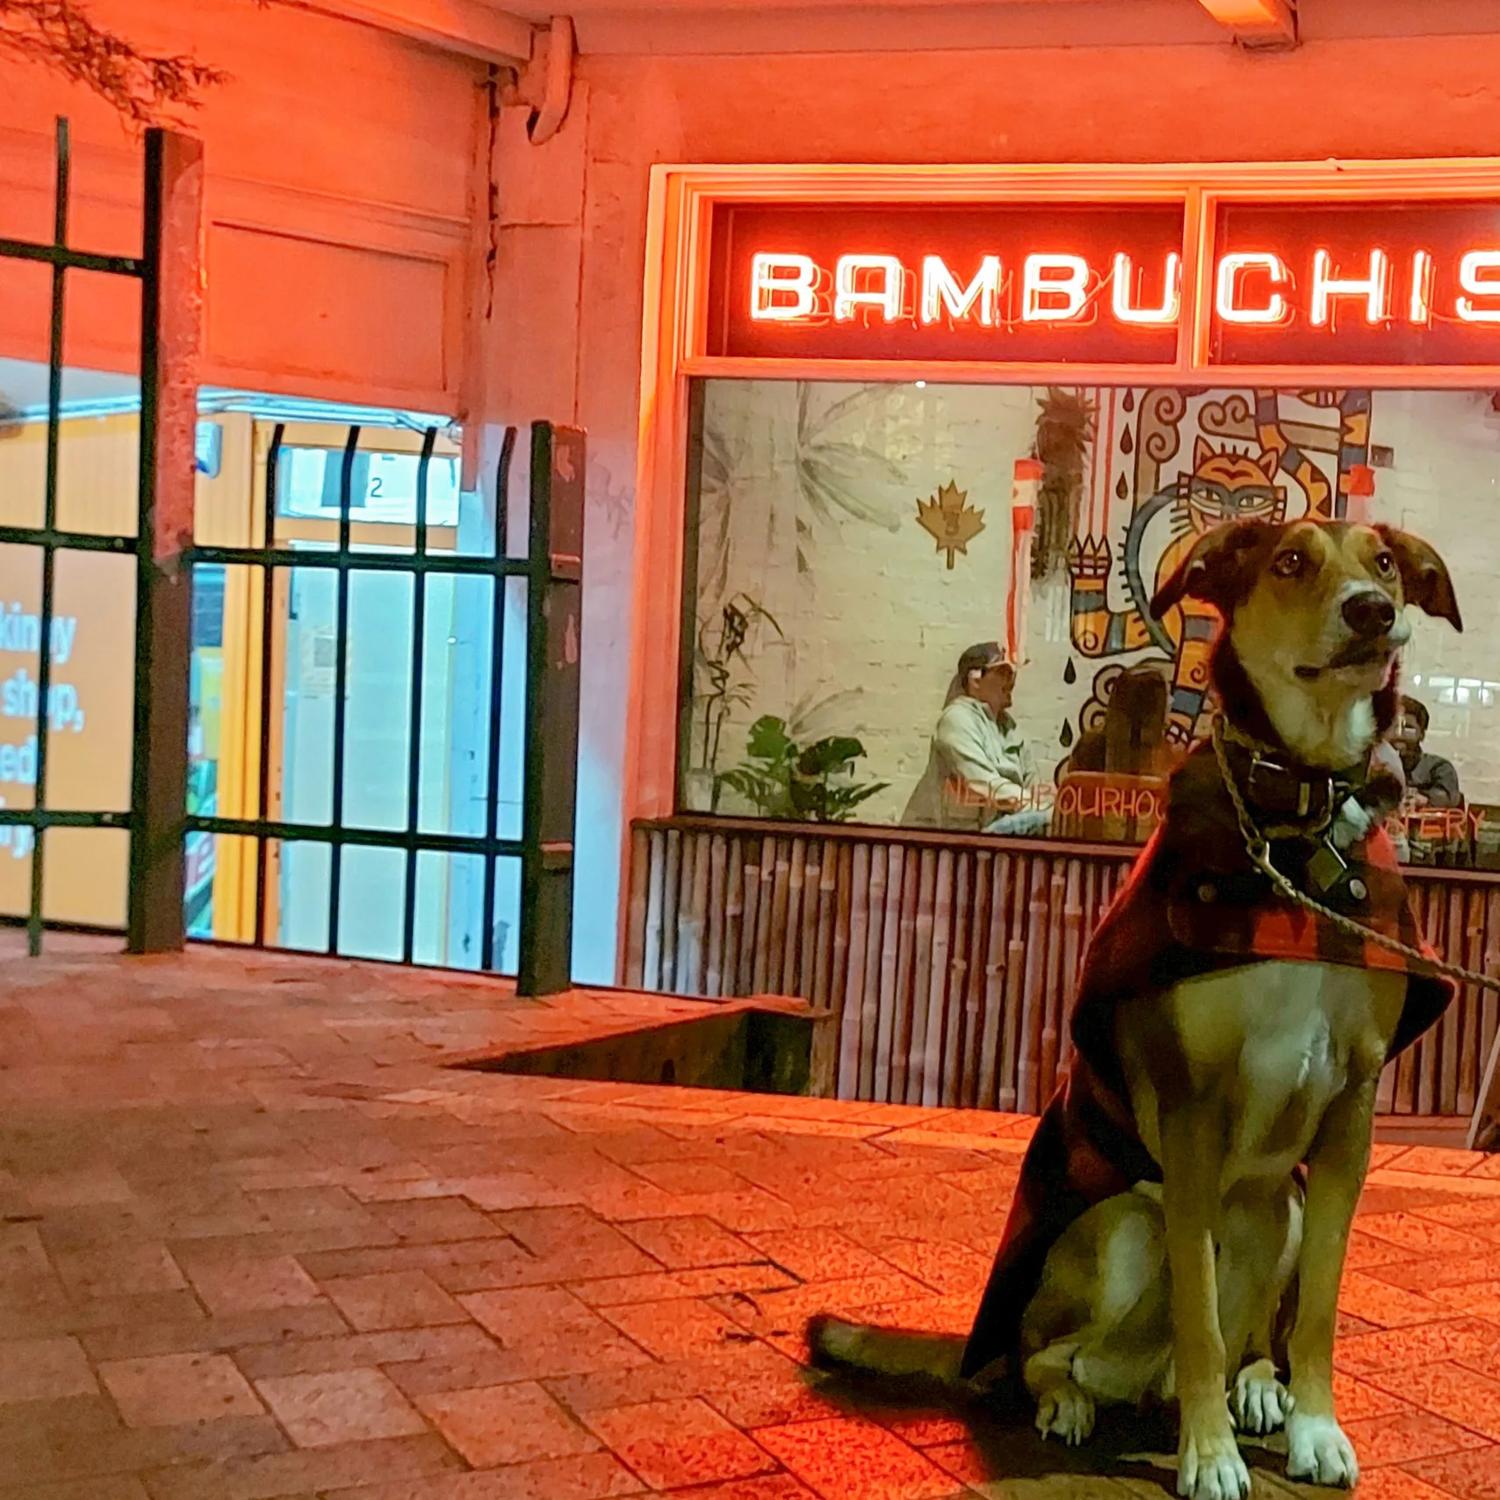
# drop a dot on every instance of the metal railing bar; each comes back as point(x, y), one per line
point(340, 684)
point(61, 257)
point(328, 833)
point(414, 741)
point(497, 662)
point(72, 541)
point(357, 562)
point(267, 708)
point(41, 817)
point(49, 554)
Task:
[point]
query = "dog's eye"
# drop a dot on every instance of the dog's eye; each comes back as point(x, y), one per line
point(1385, 564)
point(1289, 565)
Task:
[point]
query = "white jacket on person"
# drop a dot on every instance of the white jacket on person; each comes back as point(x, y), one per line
point(977, 769)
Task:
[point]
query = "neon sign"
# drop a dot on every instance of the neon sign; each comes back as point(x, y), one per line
point(1356, 283)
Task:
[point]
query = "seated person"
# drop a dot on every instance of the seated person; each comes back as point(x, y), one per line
point(1431, 781)
point(980, 768)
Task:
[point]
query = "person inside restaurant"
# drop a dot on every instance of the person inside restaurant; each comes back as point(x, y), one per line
point(980, 769)
point(1431, 781)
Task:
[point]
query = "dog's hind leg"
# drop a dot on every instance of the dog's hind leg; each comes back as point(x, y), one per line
point(1098, 1331)
point(1063, 1408)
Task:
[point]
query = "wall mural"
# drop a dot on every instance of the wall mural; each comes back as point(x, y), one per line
point(1173, 464)
point(950, 520)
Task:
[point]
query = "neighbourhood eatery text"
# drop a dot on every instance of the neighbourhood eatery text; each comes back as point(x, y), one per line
point(1369, 282)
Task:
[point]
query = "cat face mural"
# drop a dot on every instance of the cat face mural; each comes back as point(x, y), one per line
point(1260, 455)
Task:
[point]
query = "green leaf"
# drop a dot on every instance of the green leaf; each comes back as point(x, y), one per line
point(768, 739)
point(829, 755)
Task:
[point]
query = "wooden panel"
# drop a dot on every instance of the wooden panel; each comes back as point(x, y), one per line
point(950, 962)
point(360, 318)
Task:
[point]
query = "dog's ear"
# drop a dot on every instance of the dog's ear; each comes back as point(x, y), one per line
point(1424, 575)
point(1218, 570)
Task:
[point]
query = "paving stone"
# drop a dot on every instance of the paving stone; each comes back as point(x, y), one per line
point(339, 1406)
point(505, 1424)
point(42, 1369)
point(670, 1444)
point(166, 1389)
point(847, 1459)
point(393, 1299)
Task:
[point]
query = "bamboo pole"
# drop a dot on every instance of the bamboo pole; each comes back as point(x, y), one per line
point(1427, 1075)
point(796, 867)
point(906, 942)
point(754, 853)
point(671, 910)
point(651, 965)
point(1057, 901)
point(838, 977)
point(1489, 1015)
point(698, 972)
point(1061, 1000)
point(635, 931)
point(828, 882)
point(916, 1061)
point(780, 905)
point(734, 917)
point(807, 938)
point(890, 943)
point(869, 1025)
point(995, 970)
point(859, 921)
point(1469, 997)
point(937, 991)
point(761, 951)
point(718, 914)
point(978, 974)
point(1452, 1025)
point(1028, 1092)
point(960, 966)
point(1015, 972)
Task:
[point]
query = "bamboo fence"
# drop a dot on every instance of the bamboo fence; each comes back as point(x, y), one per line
point(950, 962)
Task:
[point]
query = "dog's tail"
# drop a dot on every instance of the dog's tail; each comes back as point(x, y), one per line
point(897, 1354)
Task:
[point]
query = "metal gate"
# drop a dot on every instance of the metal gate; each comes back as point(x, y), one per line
point(550, 572)
point(168, 271)
point(167, 346)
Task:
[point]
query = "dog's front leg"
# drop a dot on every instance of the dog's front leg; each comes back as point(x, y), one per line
point(1317, 1448)
point(1209, 1466)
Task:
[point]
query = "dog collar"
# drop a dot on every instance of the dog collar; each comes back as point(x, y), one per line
point(1290, 800)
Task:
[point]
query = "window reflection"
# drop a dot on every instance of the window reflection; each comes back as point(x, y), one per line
point(881, 638)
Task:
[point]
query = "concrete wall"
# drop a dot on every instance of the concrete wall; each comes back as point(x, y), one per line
point(572, 242)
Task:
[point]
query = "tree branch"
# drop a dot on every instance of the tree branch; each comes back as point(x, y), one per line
point(141, 86)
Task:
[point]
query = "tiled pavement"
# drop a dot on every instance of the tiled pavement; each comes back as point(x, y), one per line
point(256, 1242)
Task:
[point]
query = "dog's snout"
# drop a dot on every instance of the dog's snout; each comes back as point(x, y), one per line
point(1369, 613)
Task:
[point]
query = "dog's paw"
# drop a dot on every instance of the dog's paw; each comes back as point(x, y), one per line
point(1065, 1412)
point(1261, 1403)
point(1317, 1450)
point(1209, 1466)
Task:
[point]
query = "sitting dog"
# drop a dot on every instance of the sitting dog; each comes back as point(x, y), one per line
point(1190, 1189)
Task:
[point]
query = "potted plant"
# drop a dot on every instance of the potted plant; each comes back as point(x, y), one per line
point(811, 783)
point(723, 643)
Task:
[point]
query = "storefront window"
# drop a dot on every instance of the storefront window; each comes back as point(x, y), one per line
point(853, 542)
